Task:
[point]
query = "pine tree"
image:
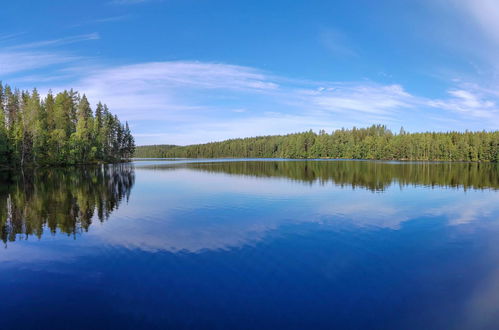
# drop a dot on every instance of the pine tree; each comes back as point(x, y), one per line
point(41, 136)
point(82, 137)
point(98, 136)
point(58, 130)
point(128, 143)
point(4, 140)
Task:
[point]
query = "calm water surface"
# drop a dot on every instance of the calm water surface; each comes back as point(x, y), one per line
point(251, 244)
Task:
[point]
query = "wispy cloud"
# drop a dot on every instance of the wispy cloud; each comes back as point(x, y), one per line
point(56, 42)
point(468, 102)
point(170, 86)
point(364, 98)
point(485, 14)
point(10, 36)
point(102, 20)
point(24, 57)
point(112, 19)
point(127, 2)
point(470, 30)
point(337, 43)
point(13, 62)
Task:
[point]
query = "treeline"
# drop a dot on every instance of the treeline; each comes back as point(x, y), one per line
point(65, 200)
point(153, 151)
point(59, 129)
point(375, 142)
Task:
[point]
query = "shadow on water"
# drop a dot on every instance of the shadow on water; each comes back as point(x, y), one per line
point(371, 175)
point(61, 199)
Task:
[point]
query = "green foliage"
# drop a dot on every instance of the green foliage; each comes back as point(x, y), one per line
point(375, 142)
point(58, 130)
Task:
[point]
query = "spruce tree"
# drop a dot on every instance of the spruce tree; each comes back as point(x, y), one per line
point(58, 129)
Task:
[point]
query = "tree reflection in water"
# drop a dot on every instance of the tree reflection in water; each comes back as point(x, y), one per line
point(60, 200)
point(371, 175)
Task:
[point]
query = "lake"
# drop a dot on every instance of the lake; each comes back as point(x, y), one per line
point(228, 244)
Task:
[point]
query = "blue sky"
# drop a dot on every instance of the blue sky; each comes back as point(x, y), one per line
point(189, 71)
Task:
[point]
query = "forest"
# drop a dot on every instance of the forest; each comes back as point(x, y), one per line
point(376, 142)
point(59, 129)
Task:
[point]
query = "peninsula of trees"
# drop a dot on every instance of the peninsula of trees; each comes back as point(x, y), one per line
point(375, 142)
point(59, 129)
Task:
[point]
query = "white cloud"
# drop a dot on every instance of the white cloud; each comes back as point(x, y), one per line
point(57, 42)
point(112, 19)
point(152, 84)
point(485, 14)
point(16, 61)
point(368, 98)
point(35, 55)
point(174, 91)
point(469, 103)
point(162, 75)
point(470, 29)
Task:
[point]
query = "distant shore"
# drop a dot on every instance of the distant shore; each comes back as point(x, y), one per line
point(372, 143)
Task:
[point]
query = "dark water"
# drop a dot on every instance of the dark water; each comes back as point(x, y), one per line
point(251, 244)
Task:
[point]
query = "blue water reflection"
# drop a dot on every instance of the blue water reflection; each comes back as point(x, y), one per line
point(256, 244)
